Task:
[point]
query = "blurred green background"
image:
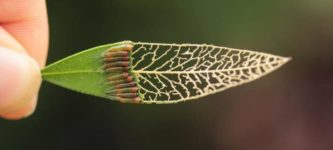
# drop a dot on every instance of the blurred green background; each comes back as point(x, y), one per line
point(290, 109)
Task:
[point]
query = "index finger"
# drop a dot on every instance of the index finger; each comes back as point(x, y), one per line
point(26, 22)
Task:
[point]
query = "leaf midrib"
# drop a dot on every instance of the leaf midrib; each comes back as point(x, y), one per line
point(194, 72)
point(70, 72)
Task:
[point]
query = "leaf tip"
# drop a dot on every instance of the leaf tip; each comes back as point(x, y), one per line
point(285, 60)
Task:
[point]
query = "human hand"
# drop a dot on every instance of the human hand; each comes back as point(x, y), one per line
point(23, 50)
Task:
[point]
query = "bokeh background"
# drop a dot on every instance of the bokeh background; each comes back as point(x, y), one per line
point(290, 109)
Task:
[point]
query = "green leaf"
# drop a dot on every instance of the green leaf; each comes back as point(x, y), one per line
point(159, 73)
point(81, 72)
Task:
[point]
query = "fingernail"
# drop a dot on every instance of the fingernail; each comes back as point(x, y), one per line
point(19, 80)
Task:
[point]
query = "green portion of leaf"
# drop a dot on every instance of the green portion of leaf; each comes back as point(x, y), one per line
point(81, 72)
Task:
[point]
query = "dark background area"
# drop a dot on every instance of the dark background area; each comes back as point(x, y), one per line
point(290, 109)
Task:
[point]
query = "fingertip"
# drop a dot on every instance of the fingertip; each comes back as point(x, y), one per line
point(20, 80)
point(22, 112)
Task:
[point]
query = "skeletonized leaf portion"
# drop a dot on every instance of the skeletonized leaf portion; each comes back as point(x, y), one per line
point(170, 73)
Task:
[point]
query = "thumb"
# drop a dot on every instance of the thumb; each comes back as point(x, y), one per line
point(19, 83)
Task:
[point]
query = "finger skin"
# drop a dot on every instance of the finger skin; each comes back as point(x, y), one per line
point(22, 112)
point(19, 80)
point(7, 41)
point(26, 21)
point(24, 29)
